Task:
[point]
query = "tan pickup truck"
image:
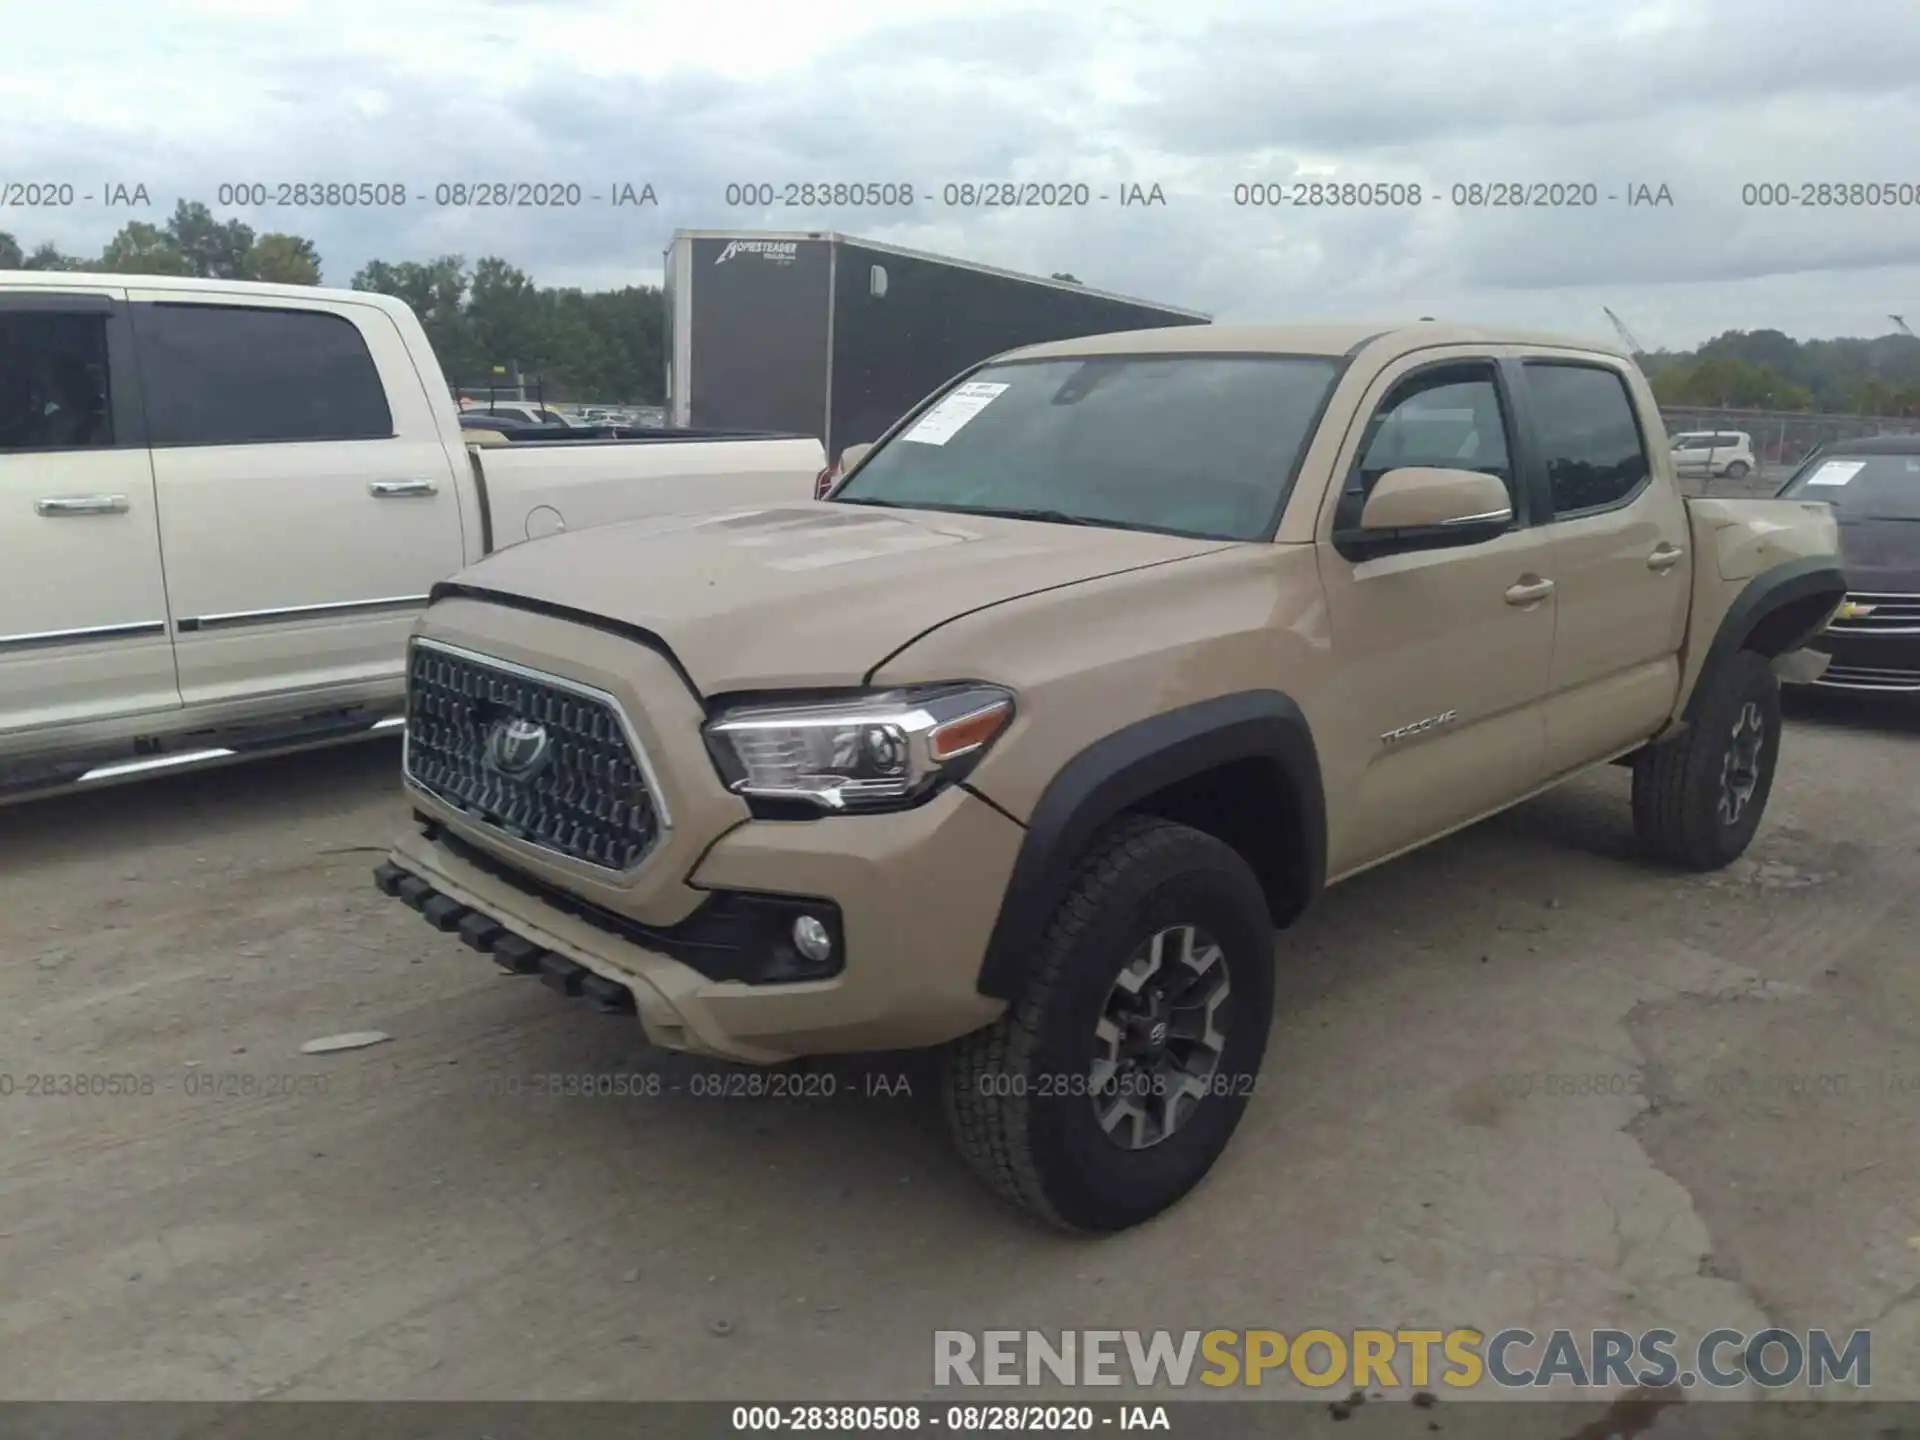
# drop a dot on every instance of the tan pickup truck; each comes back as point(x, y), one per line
point(222, 505)
point(1101, 665)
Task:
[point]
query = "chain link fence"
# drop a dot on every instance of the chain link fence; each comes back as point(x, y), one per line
point(1783, 438)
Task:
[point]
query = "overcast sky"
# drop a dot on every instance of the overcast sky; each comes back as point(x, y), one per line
point(1701, 96)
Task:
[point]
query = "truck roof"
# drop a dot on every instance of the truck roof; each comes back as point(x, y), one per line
point(67, 279)
point(1347, 339)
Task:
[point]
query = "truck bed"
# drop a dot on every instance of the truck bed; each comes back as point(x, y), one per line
point(577, 482)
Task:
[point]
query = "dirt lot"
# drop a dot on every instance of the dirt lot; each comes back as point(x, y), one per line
point(395, 1222)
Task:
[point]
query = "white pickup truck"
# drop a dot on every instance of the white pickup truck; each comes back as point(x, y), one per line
point(222, 506)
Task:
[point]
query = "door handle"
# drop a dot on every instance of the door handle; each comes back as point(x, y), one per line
point(392, 489)
point(1528, 590)
point(54, 506)
point(1664, 557)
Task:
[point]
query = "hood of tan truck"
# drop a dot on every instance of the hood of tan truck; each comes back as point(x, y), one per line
point(807, 594)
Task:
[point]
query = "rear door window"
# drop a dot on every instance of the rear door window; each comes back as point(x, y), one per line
point(1589, 438)
point(243, 375)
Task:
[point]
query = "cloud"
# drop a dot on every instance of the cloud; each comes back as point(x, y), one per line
point(1703, 98)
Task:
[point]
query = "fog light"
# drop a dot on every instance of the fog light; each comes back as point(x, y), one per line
point(812, 939)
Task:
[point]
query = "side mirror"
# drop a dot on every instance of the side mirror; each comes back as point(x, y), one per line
point(1425, 507)
point(853, 455)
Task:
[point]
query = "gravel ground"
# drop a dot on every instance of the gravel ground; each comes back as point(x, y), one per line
point(398, 1222)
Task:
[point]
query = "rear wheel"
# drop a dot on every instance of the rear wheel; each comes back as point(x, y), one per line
point(1116, 1079)
point(1737, 470)
point(1699, 798)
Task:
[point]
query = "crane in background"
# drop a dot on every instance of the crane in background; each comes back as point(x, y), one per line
point(1905, 329)
point(1634, 347)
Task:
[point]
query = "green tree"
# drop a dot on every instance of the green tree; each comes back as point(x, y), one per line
point(576, 345)
point(283, 259)
point(142, 249)
point(435, 290)
point(214, 249)
point(436, 293)
point(48, 256)
point(11, 256)
point(505, 310)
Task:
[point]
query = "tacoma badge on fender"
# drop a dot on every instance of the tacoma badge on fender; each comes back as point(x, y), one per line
point(1419, 727)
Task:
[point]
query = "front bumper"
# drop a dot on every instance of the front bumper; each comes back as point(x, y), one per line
point(914, 894)
point(1876, 653)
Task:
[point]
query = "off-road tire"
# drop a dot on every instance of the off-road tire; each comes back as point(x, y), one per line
point(1677, 784)
point(1737, 470)
point(1014, 1091)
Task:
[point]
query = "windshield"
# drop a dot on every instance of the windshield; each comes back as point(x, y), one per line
point(1861, 487)
point(1192, 445)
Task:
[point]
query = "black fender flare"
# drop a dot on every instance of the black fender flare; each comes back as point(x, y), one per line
point(1779, 610)
point(1117, 772)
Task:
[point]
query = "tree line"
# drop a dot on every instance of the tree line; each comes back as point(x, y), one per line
point(610, 345)
point(1769, 370)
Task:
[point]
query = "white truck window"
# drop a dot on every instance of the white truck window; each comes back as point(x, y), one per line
point(54, 391)
point(238, 375)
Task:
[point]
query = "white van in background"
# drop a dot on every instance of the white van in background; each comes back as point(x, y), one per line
point(1713, 452)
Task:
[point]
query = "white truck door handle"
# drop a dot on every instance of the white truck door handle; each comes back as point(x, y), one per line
point(391, 489)
point(1528, 589)
point(54, 506)
point(1664, 557)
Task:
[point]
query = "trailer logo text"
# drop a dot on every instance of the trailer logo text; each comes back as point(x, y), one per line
point(779, 251)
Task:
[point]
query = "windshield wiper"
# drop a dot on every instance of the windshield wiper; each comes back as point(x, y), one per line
point(1016, 512)
point(1051, 517)
point(1057, 517)
point(1061, 517)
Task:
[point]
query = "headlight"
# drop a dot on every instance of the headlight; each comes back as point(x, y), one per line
point(867, 752)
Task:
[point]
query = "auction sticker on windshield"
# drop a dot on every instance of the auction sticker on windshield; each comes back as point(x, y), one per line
point(1836, 472)
point(944, 420)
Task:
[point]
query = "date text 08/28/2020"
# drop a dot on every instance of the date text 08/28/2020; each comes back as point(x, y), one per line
point(483, 193)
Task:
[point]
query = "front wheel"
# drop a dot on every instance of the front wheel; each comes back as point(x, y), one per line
point(1698, 798)
point(1117, 1077)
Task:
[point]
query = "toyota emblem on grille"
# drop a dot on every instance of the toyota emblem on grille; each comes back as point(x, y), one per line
point(518, 748)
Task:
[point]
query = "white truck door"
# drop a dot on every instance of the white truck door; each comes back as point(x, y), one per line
point(83, 609)
point(307, 500)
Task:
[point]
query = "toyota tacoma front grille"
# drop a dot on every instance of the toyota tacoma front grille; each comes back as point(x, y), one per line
point(532, 756)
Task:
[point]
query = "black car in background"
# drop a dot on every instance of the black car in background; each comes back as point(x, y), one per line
point(1873, 486)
